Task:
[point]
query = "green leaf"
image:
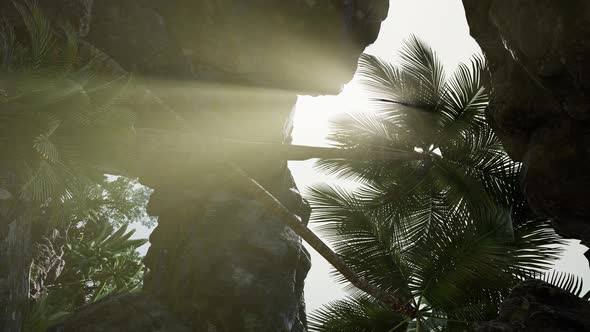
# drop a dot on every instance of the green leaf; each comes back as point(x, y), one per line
point(450, 230)
point(355, 314)
point(39, 29)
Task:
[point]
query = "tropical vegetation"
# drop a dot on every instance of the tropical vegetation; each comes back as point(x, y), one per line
point(56, 114)
point(91, 261)
point(450, 232)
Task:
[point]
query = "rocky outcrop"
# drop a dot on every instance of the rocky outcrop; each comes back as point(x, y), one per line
point(219, 261)
point(123, 313)
point(537, 52)
point(537, 306)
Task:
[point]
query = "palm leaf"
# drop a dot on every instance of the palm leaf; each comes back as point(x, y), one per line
point(8, 43)
point(339, 216)
point(43, 144)
point(42, 183)
point(465, 100)
point(40, 31)
point(420, 61)
point(570, 283)
point(355, 314)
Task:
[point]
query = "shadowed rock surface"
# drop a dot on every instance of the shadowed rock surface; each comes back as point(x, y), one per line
point(218, 260)
point(123, 313)
point(537, 52)
point(537, 306)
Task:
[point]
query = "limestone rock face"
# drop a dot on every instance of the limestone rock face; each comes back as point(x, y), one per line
point(537, 52)
point(218, 260)
point(536, 306)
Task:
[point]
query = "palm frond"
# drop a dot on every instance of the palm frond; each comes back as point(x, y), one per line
point(420, 61)
point(42, 183)
point(369, 131)
point(69, 57)
point(480, 156)
point(57, 116)
point(465, 100)
point(460, 255)
point(355, 314)
point(40, 31)
point(8, 44)
point(536, 246)
point(568, 282)
point(380, 78)
point(361, 245)
point(43, 144)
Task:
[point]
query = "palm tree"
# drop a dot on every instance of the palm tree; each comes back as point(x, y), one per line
point(458, 272)
point(415, 108)
point(449, 232)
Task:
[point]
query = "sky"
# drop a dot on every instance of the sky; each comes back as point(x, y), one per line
point(442, 24)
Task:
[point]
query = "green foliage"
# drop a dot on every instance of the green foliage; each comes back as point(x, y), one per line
point(59, 118)
point(116, 200)
point(568, 282)
point(99, 261)
point(416, 109)
point(55, 115)
point(356, 314)
point(449, 232)
point(461, 266)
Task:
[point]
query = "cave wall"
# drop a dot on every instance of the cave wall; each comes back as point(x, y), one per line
point(537, 51)
point(536, 306)
point(218, 260)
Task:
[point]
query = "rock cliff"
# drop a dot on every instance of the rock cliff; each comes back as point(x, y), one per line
point(218, 260)
point(535, 306)
point(537, 52)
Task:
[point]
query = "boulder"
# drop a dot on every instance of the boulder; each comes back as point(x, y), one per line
point(537, 306)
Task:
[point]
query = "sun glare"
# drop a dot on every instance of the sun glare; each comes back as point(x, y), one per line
point(313, 114)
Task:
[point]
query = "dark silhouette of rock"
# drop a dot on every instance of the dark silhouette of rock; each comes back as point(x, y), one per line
point(537, 52)
point(537, 306)
point(123, 313)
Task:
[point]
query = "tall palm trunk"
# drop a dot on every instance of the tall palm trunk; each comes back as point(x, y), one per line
point(389, 299)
